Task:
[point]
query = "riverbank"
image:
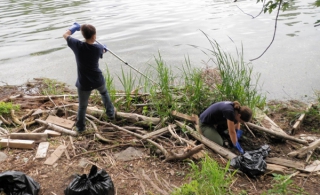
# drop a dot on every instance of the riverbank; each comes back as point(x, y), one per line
point(147, 174)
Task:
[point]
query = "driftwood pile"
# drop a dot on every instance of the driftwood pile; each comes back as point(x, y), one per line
point(38, 125)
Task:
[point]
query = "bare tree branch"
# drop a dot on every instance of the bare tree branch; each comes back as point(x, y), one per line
point(274, 33)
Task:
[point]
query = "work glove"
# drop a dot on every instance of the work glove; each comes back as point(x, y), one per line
point(105, 48)
point(239, 147)
point(75, 27)
point(239, 133)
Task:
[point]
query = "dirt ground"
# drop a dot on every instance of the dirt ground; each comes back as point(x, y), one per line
point(148, 174)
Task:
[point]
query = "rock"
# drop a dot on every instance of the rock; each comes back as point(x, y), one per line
point(3, 157)
point(83, 163)
point(129, 154)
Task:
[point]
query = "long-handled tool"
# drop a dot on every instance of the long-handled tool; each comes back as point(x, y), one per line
point(126, 63)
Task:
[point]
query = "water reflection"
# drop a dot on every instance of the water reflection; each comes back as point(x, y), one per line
point(30, 33)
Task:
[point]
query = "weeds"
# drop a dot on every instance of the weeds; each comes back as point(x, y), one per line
point(6, 107)
point(161, 94)
point(237, 79)
point(207, 178)
point(110, 84)
point(52, 87)
point(128, 83)
point(282, 184)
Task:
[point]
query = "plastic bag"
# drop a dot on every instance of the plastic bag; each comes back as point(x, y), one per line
point(96, 183)
point(17, 183)
point(252, 162)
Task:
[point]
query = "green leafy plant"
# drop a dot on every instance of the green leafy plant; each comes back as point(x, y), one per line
point(207, 178)
point(6, 107)
point(282, 184)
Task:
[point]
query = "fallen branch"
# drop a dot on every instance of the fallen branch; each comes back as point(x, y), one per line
point(284, 136)
point(168, 155)
point(15, 118)
point(299, 121)
point(302, 152)
point(5, 121)
point(100, 137)
point(57, 128)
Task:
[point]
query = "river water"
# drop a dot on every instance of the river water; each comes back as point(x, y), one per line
point(31, 43)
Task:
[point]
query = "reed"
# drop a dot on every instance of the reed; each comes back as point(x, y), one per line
point(128, 82)
point(238, 82)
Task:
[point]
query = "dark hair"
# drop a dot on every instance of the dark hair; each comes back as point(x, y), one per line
point(244, 111)
point(88, 31)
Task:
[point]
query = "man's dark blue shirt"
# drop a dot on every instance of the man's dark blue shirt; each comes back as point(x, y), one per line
point(87, 56)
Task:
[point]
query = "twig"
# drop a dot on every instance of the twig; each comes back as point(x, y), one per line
point(253, 17)
point(292, 175)
point(251, 182)
point(309, 155)
point(274, 33)
point(72, 145)
point(249, 130)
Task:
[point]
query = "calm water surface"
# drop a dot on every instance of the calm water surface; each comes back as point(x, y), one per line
point(31, 43)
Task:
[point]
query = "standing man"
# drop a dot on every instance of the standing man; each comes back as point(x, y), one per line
point(90, 77)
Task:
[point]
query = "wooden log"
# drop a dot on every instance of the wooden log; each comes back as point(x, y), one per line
point(266, 122)
point(286, 162)
point(157, 133)
point(57, 128)
point(37, 137)
point(315, 166)
point(39, 98)
point(302, 152)
point(183, 116)
point(52, 133)
point(42, 150)
point(297, 124)
point(284, 136)
point(15, 143)
point(131, 117)
point(68, 124)
point(55, 155)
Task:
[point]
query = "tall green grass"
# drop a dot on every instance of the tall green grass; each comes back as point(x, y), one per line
point(207, 178)
point(110, 84)
point(161, 93)
point(196, 93)
point(238, 81)
point(128, 83)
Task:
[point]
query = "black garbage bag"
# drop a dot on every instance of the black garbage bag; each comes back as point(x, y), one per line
point(17, 183)
point(96, 183)
point(252, 162)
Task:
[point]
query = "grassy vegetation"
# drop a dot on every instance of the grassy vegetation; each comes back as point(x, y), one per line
point(5, 107)
point(282, 184)
point(207, 178)
point(237, 79)
point(52, 87)
point(190, 92)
